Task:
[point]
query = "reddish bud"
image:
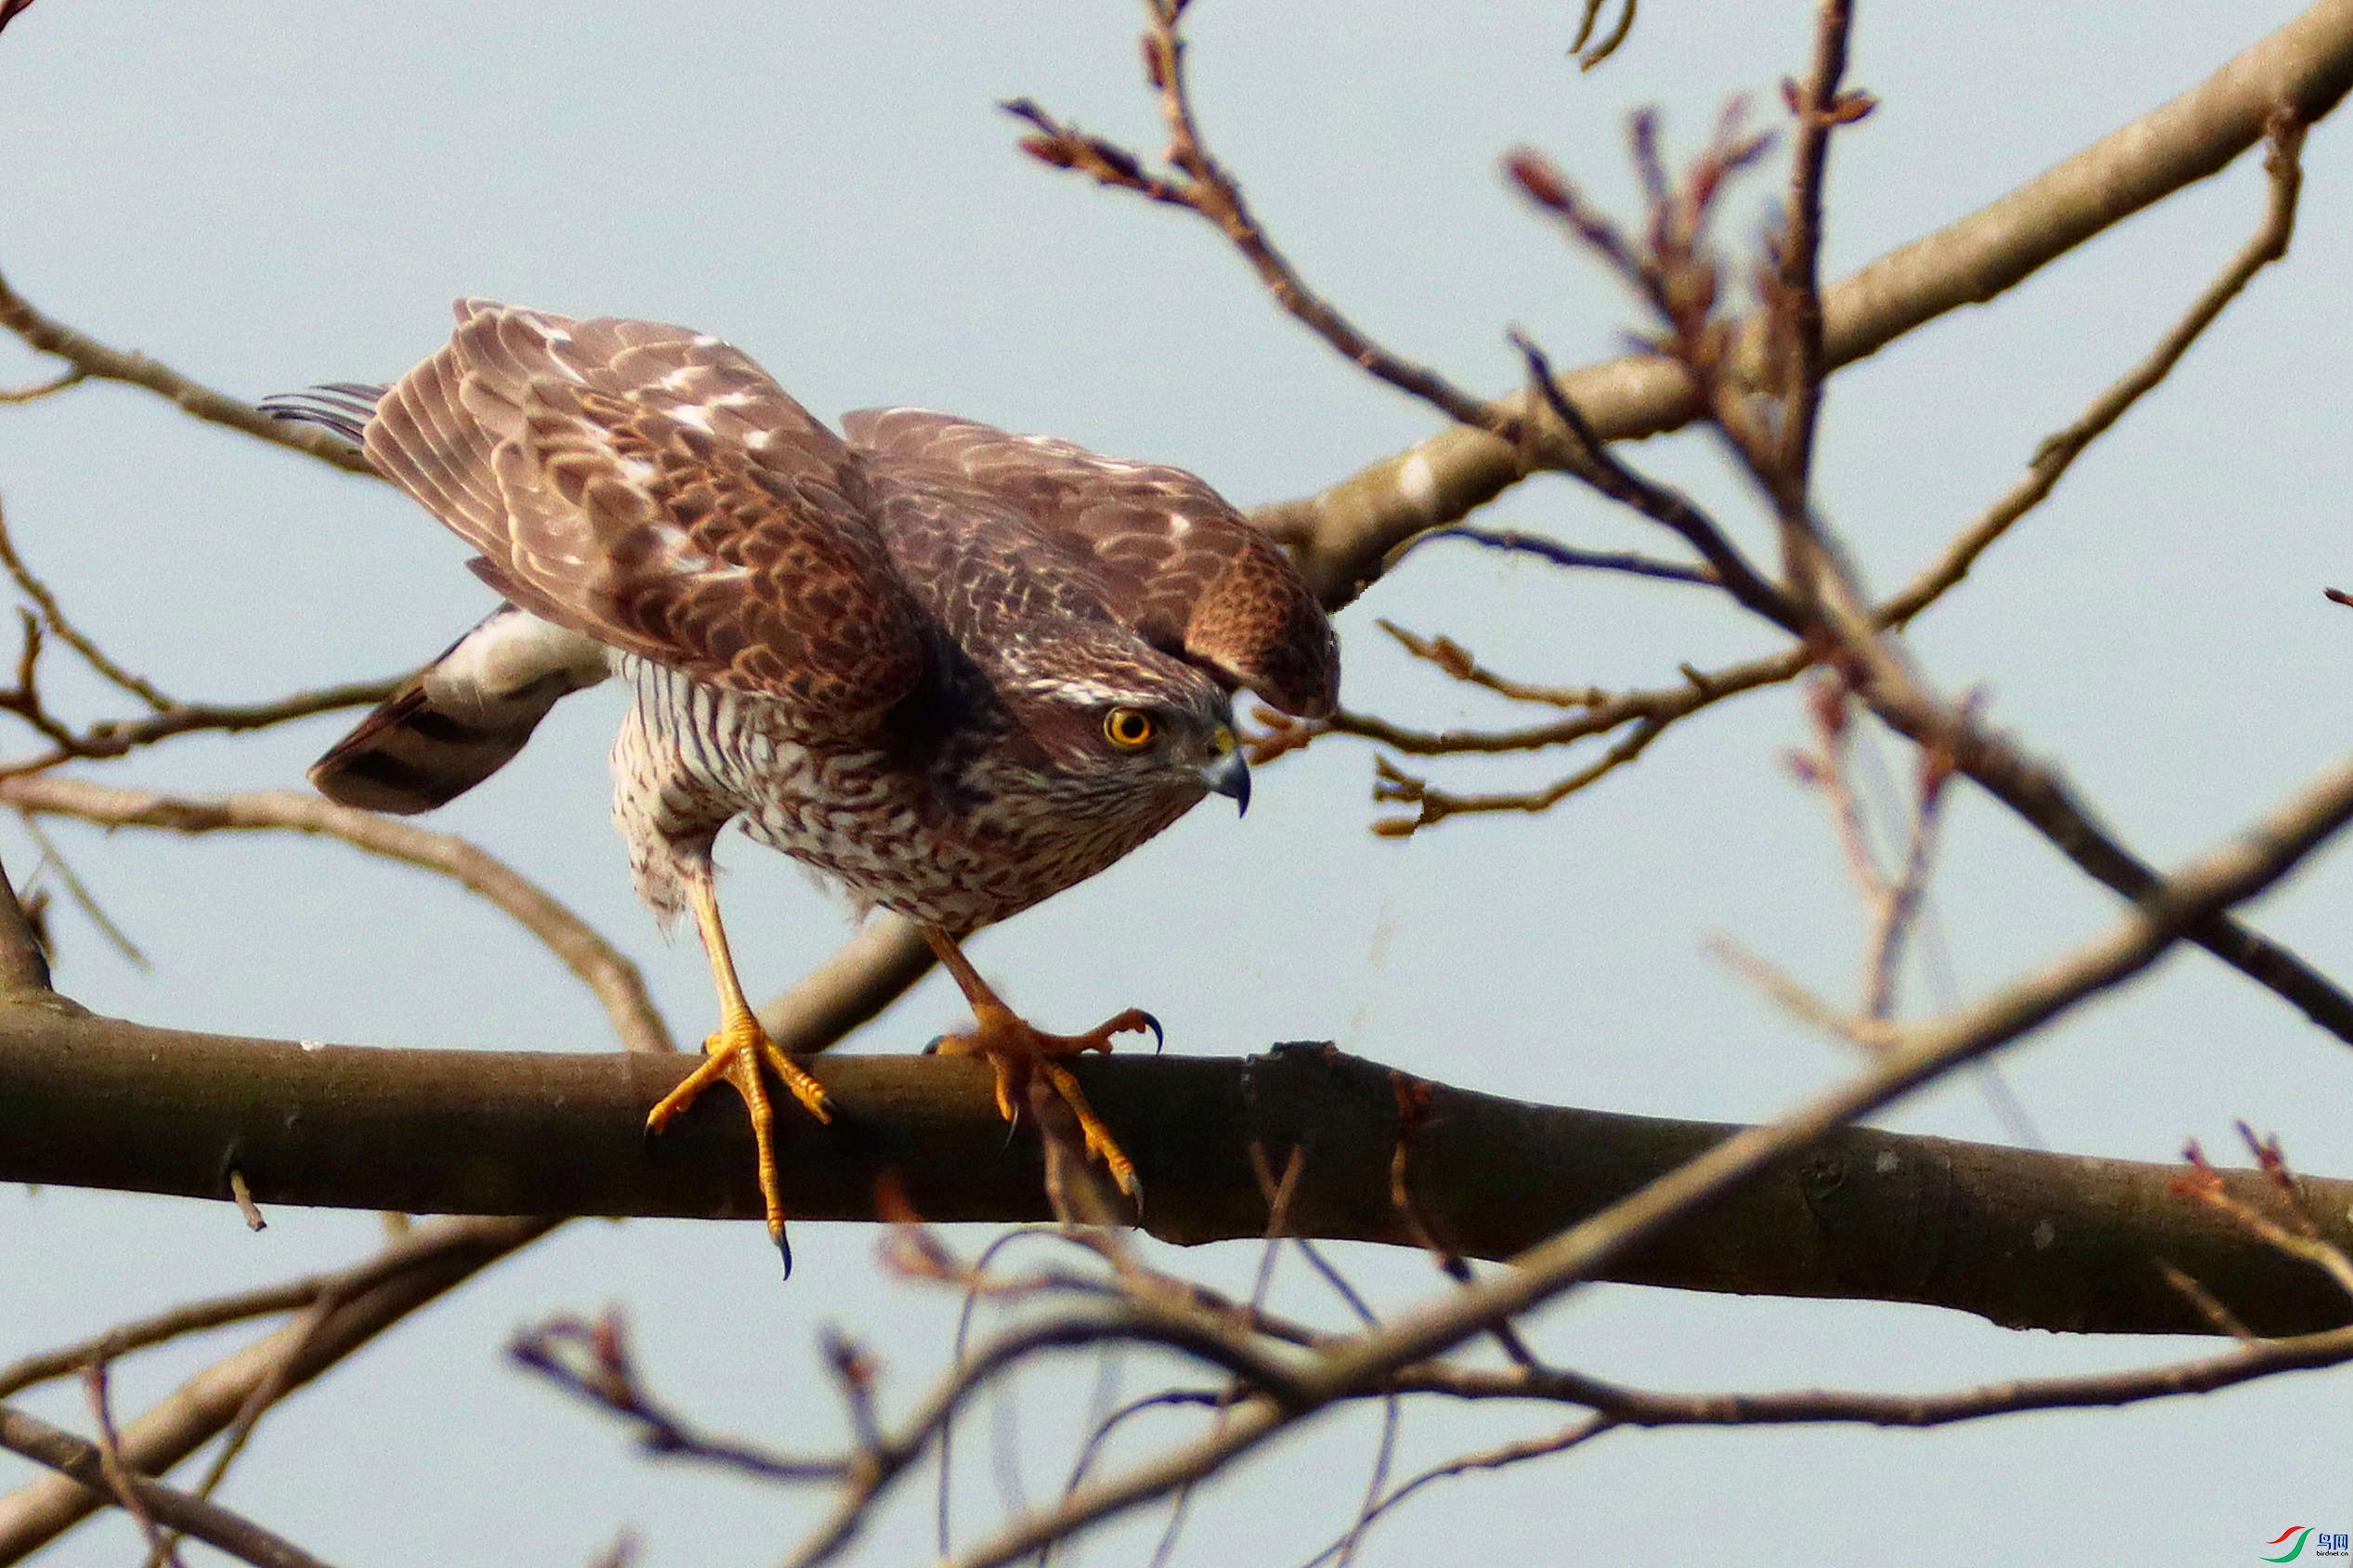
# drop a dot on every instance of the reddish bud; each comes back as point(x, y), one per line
point(1049, 149)
point(1851, 107)
point(1534, 175)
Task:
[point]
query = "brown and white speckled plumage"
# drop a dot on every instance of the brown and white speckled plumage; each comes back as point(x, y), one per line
point(890, 655)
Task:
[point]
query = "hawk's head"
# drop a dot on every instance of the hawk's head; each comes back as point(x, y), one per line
point(1120, 727)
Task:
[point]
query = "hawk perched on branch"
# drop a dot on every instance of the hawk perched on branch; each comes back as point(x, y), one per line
point(958, 670)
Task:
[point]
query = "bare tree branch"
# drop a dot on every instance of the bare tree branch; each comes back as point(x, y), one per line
point(410, 1274)
point(378, 1294)
point(1915, 1055)
point(114, 738)
point(1199, 184)
point(95, 360)
point(2060, 451)
point(2023, 1237)
point(1561, 554)
point(73, 375)
point(70, 1456)
point(601, 967)
point(1342, 534)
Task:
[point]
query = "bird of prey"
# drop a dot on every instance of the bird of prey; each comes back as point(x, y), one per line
point(954, 668)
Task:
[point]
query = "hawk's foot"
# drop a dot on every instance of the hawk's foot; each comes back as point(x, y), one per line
point(1017, 1052)
point(736, 1053)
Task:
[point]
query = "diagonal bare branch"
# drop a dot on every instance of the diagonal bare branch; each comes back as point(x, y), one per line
point(96, 360)
point(1914, 1057)
point(1342, 535)
point(611, 976)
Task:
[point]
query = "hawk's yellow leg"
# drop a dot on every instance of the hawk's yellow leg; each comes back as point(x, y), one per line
point(734, 1053)
point(1017, 1052)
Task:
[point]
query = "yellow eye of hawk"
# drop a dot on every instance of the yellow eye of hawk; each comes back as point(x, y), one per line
point(1129, 729)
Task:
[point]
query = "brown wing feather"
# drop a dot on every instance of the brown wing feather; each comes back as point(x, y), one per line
point(653, 489)
point(1183, 567)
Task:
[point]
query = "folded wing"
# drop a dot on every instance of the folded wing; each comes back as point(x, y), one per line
point(1183, 568)
point(652, 489)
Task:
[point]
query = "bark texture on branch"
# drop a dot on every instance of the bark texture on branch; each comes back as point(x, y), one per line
point(2026, 1239)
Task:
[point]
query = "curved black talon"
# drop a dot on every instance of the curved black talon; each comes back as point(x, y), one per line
point(1159, 1035)
point(931, 1046)
point(784, 1250)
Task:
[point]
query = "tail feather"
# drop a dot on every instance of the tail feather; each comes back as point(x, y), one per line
point(343, 407)
point(461, 719)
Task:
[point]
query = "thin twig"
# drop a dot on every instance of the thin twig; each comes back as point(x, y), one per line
point(1561, 555)
point(1591, 460)
point(53, 859)
point(1196, 181)
point(119, 1480)
point(2057, 453)
point(73, 375)
point(1499, 1457)
point(1457, 662)
point(53, 616)
point(96, 359)
point(591, 1359)
point(82, 1462)
point(114, 738)
point(613, 978)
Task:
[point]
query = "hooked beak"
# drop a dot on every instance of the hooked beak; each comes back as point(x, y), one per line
point(1230, 775)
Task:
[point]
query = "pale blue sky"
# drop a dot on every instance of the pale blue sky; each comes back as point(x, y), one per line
point(269, 195)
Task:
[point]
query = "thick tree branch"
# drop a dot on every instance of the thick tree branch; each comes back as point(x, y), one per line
point(2024, 1238)
point(349, 1310)
point(1342, 535)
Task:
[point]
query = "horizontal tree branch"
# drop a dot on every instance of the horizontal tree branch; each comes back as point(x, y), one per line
point(2024, 1238)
